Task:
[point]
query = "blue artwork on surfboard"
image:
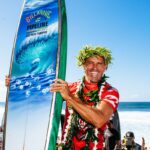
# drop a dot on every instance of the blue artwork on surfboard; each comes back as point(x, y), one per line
point(34, 65)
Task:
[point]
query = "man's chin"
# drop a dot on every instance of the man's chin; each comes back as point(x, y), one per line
point(94, 80)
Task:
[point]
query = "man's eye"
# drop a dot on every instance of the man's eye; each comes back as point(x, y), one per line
point(100, 63)
point(89, 63)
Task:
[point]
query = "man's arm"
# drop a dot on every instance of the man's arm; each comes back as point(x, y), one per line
point(97, 116)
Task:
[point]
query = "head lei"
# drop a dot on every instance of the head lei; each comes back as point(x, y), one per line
point(89, 51)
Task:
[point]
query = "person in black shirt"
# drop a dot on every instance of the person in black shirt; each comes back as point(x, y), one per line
point(112, 137)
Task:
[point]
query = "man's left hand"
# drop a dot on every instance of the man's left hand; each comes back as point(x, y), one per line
point(61, 86)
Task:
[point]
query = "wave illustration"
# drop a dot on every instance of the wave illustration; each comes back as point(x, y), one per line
point(31, 87)
point(37, 52)
point(31, 5)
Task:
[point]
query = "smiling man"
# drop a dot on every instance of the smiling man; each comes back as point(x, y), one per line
point(90, 102)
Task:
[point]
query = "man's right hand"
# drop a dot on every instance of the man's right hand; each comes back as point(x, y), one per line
point(7, 81)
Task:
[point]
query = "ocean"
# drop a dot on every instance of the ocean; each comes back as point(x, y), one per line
point(134, 116)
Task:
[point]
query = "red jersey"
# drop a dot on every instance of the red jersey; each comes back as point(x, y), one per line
point(83, 129)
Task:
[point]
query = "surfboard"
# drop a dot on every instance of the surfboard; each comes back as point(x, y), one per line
point(38, 57)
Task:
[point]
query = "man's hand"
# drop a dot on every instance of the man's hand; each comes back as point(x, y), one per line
point(62, 87)
point(7, 81)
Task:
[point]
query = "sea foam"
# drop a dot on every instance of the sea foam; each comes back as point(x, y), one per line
point(137, 122)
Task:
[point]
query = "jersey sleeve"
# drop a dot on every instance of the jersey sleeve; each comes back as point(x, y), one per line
point(111, 97)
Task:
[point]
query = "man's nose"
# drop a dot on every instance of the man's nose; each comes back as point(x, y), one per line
point(95, 66)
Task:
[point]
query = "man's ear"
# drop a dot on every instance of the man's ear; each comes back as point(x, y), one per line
point(106, 67)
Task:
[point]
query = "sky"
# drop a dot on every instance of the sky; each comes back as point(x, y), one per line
point(123, 26)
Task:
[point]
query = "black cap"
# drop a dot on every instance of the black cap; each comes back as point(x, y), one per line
point(129, 134)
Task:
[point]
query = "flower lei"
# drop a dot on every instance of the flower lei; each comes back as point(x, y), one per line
point(90, 133)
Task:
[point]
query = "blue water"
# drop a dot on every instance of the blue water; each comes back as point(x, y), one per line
point(134, 106)
point(123, 106)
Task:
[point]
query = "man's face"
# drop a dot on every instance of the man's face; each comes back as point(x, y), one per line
point(94, 68)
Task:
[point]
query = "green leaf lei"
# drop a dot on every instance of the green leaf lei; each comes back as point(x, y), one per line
point(89, 134)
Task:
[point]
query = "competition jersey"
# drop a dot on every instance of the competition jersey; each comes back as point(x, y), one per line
point(106, 93)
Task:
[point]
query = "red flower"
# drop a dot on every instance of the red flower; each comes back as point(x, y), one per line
point(91, 145)
point(85, 90)
point(77, 145)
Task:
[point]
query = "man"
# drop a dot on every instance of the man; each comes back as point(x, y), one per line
point(128, 142)
point(90, 102)
point(112, 137)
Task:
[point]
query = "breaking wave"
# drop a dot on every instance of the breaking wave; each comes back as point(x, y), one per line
point(31, 5)
point(37, 47)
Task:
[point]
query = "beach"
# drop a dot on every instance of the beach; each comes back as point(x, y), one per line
point(138, 123)
point(133, 117)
